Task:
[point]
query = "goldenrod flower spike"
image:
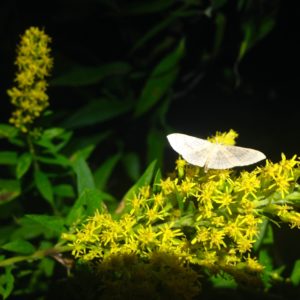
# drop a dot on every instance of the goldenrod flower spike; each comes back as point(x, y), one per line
point(34, 65)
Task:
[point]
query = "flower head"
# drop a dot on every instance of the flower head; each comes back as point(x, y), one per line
point(34, 65)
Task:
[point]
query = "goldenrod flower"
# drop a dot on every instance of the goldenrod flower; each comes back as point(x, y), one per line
point(34, 65)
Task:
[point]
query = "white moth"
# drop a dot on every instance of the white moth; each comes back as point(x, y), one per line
point(209, 155)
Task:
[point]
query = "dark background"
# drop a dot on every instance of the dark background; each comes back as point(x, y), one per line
point(263, 108)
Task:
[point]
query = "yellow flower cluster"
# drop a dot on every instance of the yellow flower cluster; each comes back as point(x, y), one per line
point(209, 219)
point(34, 64)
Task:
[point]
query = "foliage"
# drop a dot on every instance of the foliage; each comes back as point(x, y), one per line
point(58, 194)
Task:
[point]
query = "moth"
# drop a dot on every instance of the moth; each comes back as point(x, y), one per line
point(202, 153)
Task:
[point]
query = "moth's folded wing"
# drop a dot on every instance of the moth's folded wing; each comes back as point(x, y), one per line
point(243, 156)
point(192, 149)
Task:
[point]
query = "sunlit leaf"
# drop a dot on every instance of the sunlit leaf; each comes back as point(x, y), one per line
point(87, 203)
point(19, 246)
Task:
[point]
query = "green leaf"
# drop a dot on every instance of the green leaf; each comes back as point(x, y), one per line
point(6, 282)
point(7, 131)
point(9, 190)
point(23, 164)
point(87, 204)
point(97, 111)
point(64, 190)
point(85, 178)
point(8, 158)
point(103, 173)
point(160, 81)
point(142, 7)
point(54, 139)
point(155, 146)
point(295, 275)
point(44, 186)
point(83, 75)
point(19, 246)
point(145, 179)
point(47, 266)
point(48, 224)
point(57, 159)
point(132, 165)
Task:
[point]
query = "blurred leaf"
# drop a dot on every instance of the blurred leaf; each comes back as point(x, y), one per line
point(48, 224)
point(83, 153)
point(19, 246)
point(47, 266)
point(265, 236)
point(102, 174)
point(6, 282)
point(23, 165)
point(145, 179)
point(57, 159)
point(83, 75)
point(44, 186)
point(225, 281)
point(85, 178)
point(152, 33)
point(160, 80)
point(8, 158)
point(217, 4)
point(97, 111)
point(132, 165)
point(54, 139)
point(220, 21)
point(9, 189)
point(266, 260)
point(86, 205)
point(7, 131)
point(84, 141)
point(155, 146)
point(141, 8)
point(64, 190)
point(254, 31)
point(295, 275)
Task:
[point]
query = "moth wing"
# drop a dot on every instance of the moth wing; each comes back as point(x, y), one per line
point(234, 156)
point(245, 156)
point(193, 150)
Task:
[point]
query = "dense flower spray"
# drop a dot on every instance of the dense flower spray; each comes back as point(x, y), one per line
point(34, 65)
point(210, 220)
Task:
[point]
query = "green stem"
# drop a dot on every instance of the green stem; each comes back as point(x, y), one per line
point(32, 152)
point(36, 255)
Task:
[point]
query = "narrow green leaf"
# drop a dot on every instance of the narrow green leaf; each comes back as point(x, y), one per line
point(8, 158)
point(155, 146)
point(44, 186)
point(83, 75)
point(9, 190)
point(19, 246)
point(64, 190)
point(103, 173)
point(51, 224)
point(132, 165)
point(295, 275)
point(97, 111)
point(145, 179)
point(6, 282)
point(85, 178)
point(87, 203)
point(23, 165)
point(160, 80)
